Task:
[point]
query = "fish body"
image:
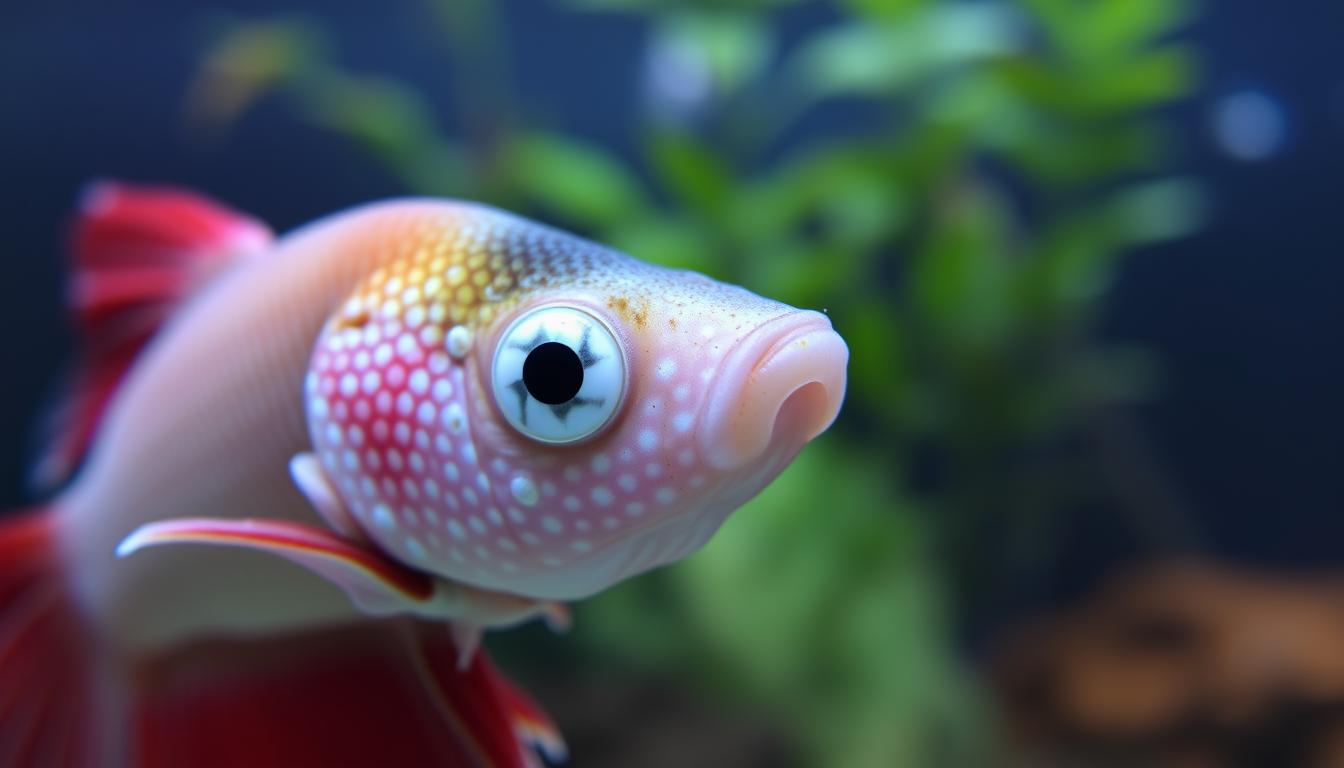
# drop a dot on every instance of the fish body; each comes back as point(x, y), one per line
point(425, 408)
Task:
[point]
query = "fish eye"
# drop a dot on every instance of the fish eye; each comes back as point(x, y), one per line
point(559, 374)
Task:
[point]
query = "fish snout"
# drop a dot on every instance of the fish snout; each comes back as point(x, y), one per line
point(784, 382)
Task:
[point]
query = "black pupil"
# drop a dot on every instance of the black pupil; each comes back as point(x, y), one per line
point(553, 373)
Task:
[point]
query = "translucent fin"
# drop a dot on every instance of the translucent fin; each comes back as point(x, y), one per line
point(136, 254)
point(49, 701)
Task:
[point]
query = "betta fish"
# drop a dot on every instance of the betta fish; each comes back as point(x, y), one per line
point(313, 469)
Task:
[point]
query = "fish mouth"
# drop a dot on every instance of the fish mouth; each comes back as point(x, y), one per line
point(784, 382)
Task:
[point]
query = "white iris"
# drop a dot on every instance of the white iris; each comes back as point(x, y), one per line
point(559, 374)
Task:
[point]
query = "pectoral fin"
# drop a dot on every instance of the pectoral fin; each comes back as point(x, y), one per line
point(313, 483)
point(374, 582)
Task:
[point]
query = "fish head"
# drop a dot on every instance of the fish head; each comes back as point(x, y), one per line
point(525, 411)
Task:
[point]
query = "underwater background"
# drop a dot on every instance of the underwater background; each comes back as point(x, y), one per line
point(1085, 502)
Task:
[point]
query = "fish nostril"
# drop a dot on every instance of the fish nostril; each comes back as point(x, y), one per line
point(805, 413)
point(785, 384)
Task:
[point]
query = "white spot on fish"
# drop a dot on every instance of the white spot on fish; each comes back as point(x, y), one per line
point(415, 549)
point(431, 336)
point(454, 419)
point(665, 495)
point(426, 412)
point(524, 490)
point(682, 421)
point(415, 316)
point(666, 368)
point(419, 381)
point(408, 349)
point(459, 341)
point(442, 390)
point(648, 440)
point(552, 524)
point(602, 496)
point(382, 517)
point(438, 362)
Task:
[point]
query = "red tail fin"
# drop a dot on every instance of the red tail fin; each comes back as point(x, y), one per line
point(136, 253)
point(47, 694)
point(379, 693)
point(376, 694)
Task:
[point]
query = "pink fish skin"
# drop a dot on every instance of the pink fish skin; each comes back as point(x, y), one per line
point(437, 409)
point(712, 391)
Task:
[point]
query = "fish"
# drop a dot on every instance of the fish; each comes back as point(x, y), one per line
point(295, 478)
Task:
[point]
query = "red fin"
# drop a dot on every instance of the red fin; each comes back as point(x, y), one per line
point(137, 252)
point(385, 693)
point(48, 697)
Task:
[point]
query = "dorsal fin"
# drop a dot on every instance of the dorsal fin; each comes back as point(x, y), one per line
point(136, 253)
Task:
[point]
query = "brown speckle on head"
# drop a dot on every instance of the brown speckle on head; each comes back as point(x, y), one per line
point(354, 319)
point(634, 312)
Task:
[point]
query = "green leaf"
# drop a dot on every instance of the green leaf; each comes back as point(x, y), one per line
point(246, 61)
point(961, 281)
point(576, 180)
point(883, 10)
point(855, 59)
point(1118, 28)
point(872, 60)
point(1161, 210)
point(389, 118)
point(732, 47)
point(694, 176)
point(667, 240)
